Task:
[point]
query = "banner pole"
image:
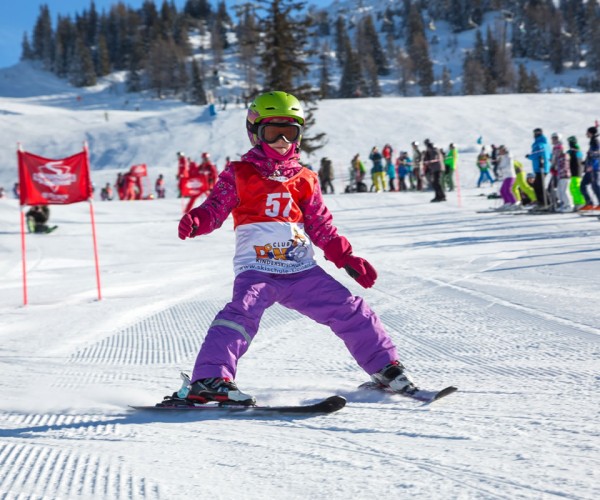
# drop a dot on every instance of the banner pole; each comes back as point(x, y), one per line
point(95, 248)
point(23, 257)
point(22, 213)
point(458, 198)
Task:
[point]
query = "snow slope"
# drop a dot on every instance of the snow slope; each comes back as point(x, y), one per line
point(503, 306)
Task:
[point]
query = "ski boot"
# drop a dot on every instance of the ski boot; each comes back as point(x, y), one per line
point(221, 390)
point(395, 377)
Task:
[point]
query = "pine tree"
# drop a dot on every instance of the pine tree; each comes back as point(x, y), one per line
point(248, 39)
point(135, 63)
point(65, 40)
point(26, 50)
point(81, 71)
point(406, 67)
point(43, 43)
point(351, 82)
point(284, 57)
point(446, 82)
point(102, 58)
point(418, 49)
point(474, 81)
point(197, 85)
point(593, 37)
point(342, 40)
point(325, 89)
point(374, 48)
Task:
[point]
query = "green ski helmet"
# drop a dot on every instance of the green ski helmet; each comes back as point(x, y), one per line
point(272, 104)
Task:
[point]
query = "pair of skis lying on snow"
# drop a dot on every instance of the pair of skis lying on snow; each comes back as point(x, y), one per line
point(328, 405)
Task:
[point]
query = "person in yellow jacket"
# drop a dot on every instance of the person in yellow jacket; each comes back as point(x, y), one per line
point(450, 163)
point(377, 170)
point(521, 184)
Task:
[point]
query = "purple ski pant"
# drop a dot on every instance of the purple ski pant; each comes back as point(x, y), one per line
point(313, 293)
point(506, 191)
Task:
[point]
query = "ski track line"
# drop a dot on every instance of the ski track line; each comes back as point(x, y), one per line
point(492, 300)
point(38, 471)
point(454, 474)
point(431, 320)
point(167, 337)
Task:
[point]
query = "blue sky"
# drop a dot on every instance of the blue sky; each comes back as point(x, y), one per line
point(19, 16)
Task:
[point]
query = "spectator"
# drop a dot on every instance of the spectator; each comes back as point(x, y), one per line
point(484, 165)
point(450, 162)
point(37, 216)
point(417, 168)
point(562, 171)
point(106, 193)
point(575, 158)
point(159, 186)
point(506, 171)
point(592, 168)
point(390, 170)
point(404, 164)
point(326, 175)
point(522, 190)
point(120, 186)
point(183, 171)
point(540, 159)
point(208, 168)
point(130, 182)
point(377, 173)
point(494, 161)
point(2, 192)
point(432, 161)
point(358, 167)
point(17, 190)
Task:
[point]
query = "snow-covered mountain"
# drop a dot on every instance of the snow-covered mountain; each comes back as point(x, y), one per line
point(501, 305)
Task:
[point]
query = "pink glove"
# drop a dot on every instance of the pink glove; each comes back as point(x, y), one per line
point(192, 224)
point(339, 251)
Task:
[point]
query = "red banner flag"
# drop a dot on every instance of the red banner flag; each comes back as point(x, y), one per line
point(194, 186)
point(139, 170)
point(54, 182)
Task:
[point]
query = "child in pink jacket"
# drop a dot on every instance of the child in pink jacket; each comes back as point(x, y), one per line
point(279, 218)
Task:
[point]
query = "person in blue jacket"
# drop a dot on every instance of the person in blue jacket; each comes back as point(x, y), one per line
point(592, 171)
point(540, 159)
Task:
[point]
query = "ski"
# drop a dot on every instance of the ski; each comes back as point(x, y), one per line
point(171, 404)
point(423, 396)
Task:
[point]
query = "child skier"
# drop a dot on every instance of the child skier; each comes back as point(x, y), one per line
point(279, 216)
point(506, 171)
point(484, 165)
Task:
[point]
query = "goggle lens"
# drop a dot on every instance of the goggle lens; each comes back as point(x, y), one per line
point(271, 132)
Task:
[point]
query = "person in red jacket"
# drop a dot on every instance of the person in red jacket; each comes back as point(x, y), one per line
point(208, 168)
point(183, 170)
point(279, 217)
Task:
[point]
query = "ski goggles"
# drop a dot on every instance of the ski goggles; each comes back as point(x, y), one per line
point(272, 132)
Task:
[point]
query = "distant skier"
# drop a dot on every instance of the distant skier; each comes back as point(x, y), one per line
point(37, 217)
point(433, 160)
point(417, 173)
point(506, 171)
point(450, 163)
point(575, 158)
point(484, 165)
point(279, 217)
point(592, 171)
point(540, 160)
point(326, 175)
point(562, 172)
point(159, 186)
point(106, 193)
point(377, 171)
